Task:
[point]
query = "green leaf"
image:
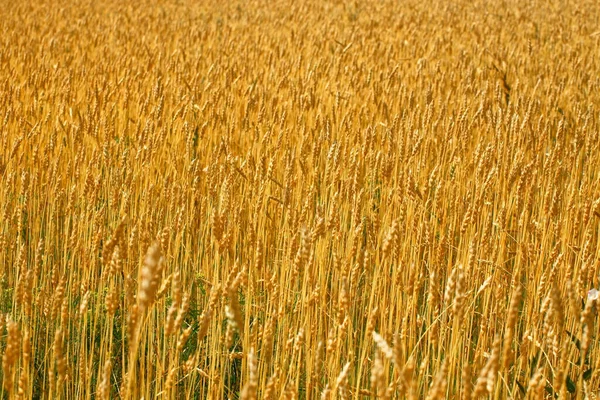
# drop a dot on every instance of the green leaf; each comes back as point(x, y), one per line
point(521, 387)
point(576, 341)
point(587, 375)
point(571, 387)
point(551, 391)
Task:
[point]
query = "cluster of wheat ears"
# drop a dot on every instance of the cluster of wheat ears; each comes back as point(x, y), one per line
point(299, 199)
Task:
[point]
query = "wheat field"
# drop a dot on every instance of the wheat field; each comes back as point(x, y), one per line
point(299, 199)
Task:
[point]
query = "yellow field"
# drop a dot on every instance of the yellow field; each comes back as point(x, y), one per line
point(299, 199)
